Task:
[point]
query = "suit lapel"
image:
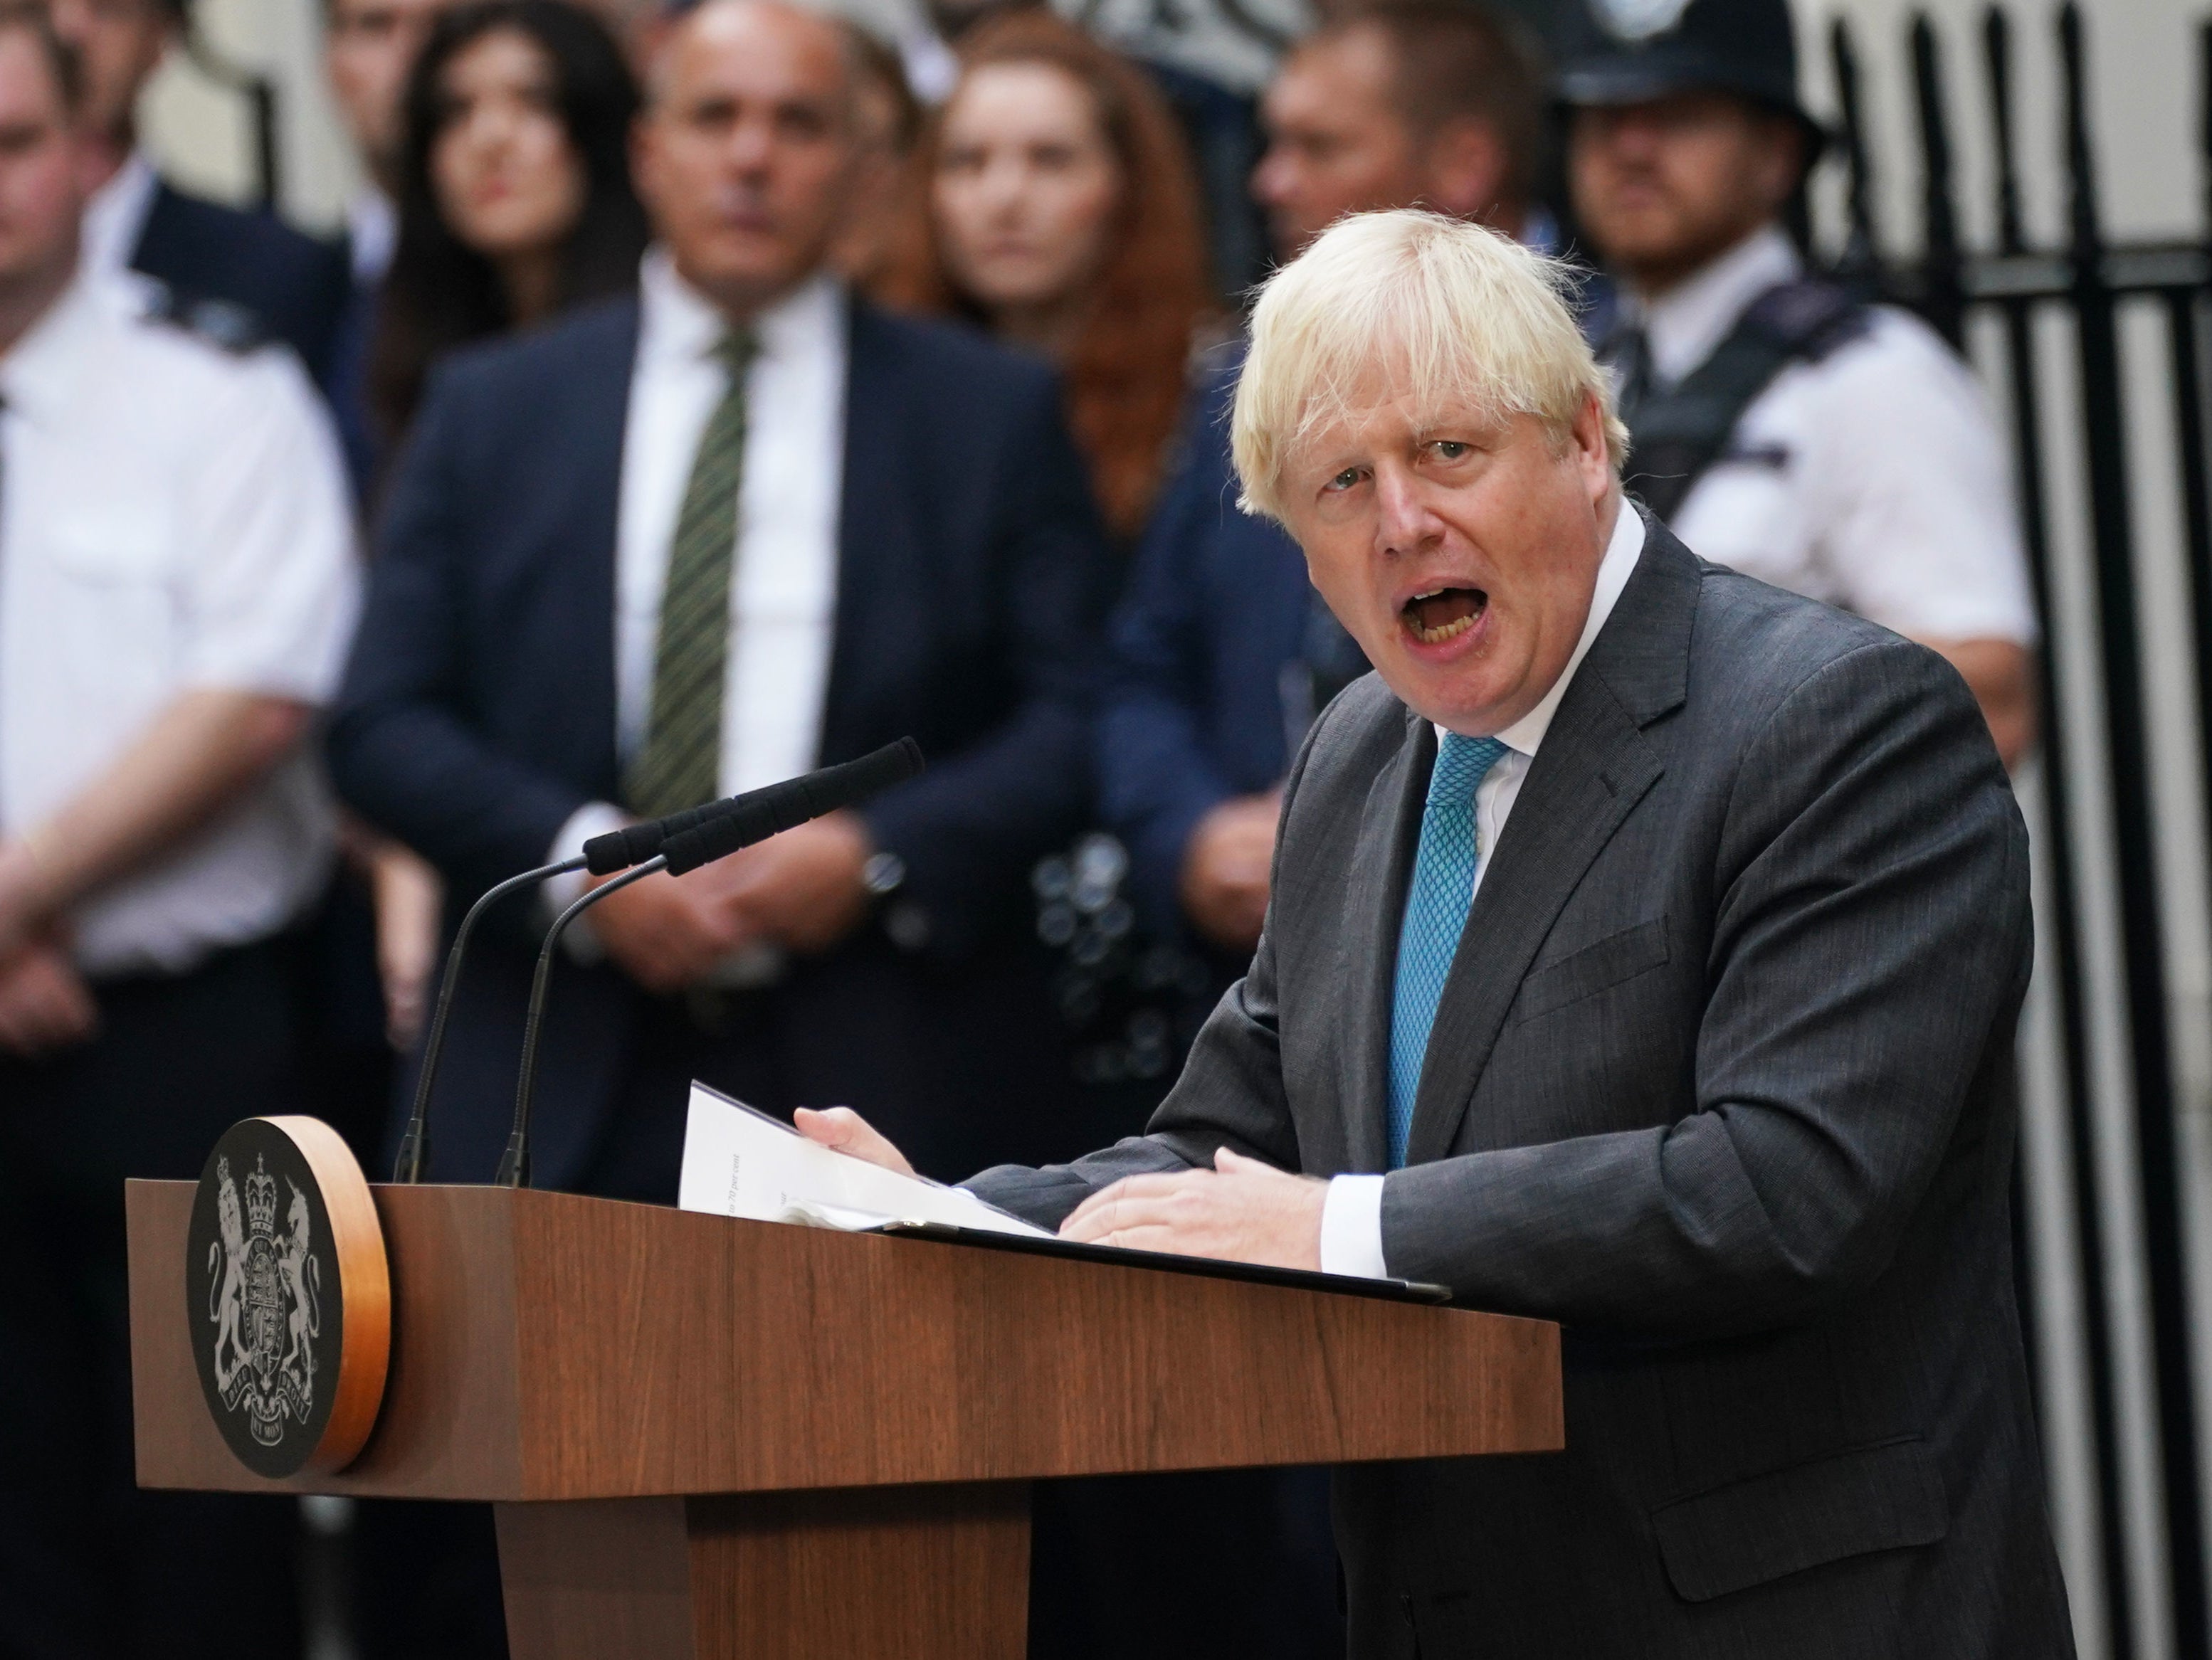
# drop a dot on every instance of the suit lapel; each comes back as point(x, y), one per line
point(1595, 764)
point(599, 419)
point(1381, 861)
point(879, 614)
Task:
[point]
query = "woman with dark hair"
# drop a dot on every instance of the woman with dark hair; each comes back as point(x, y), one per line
point(1058, 209)
point(514, 204)
point(514, 192)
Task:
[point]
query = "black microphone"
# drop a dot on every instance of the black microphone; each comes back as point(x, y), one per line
point(747, 818)
point(759, 814)
point(514, 1162)
point(415, 1142)
point(618, 850)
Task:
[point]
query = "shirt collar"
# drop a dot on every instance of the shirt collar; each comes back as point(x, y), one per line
point(117, 214)
point(676, 323)
point(1685, 324)
point(41, 372)
point(1621, 551)
point(371, 234)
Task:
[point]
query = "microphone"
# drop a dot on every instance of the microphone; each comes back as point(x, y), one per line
point(415, 1142)
point(777, 806)
point(741, 821)
point(759, 814)
point(816, 793)
point(514, 1162)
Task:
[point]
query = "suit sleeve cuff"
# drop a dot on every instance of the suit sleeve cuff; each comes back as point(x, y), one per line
point(1351, 1228)
point(558, 894)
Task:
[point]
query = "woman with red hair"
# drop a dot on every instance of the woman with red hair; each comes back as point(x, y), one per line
point(1057, 209)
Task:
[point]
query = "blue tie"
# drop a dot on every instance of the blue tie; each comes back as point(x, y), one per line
point(1437, 903)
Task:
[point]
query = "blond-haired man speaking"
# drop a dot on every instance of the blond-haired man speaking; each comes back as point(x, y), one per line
point(1644, 952)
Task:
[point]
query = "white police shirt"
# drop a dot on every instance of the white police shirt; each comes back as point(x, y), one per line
point(1873, 480)
point(174, 518)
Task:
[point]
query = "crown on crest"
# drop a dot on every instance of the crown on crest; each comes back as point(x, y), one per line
point(261, 1200)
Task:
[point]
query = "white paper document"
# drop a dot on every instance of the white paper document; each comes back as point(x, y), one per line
point(740, 1162)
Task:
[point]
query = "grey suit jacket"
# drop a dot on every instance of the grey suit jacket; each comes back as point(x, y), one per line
point(1720, 1080)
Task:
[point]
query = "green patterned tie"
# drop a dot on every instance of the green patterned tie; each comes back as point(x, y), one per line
point(681, 762)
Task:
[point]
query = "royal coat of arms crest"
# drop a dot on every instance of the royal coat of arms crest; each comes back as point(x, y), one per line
point(265, 1305)
point(287, 1295)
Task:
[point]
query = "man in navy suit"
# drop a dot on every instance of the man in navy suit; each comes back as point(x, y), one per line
point(686, 543)
point(233, 270)
point(1220, 655)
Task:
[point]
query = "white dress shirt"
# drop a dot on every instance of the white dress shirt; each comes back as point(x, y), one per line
point(1873, 480)
point(1351, 1215)
point(783, 582)
point(174, 518)
point(115, 217)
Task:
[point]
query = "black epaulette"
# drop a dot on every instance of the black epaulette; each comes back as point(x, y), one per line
point(223, 323)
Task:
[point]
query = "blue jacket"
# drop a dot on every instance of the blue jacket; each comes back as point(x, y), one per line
point(478, 710)
point(1193, 708)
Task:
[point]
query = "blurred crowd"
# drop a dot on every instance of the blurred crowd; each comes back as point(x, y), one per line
point(696, 397)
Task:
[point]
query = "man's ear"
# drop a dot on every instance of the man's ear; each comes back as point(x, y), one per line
point(90, 164)
point(642, 144)
point(1593, 455)
point(1782, 160)
point(1466, 168)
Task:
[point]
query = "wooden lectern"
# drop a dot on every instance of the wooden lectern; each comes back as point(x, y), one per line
point(714, 1438)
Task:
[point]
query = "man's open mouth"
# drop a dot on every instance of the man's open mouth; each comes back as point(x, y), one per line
point(1444, 614)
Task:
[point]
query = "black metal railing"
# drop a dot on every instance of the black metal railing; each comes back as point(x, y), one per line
point(2088, 281)
point(260, 94)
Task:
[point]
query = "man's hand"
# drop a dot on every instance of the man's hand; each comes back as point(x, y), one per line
point(1242, 1209)
point(409, 900)
point(668, 932)
point(1225, 871)
point(804, 888)
point(843, 1131)
point(45, 1004)
point(2002, 676)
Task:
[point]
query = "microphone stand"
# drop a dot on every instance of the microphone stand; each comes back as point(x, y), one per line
point(514, 1163)
point(415, 1142)
point(679, 842)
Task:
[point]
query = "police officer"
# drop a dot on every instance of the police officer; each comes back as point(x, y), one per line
point(1834, 448)
point(175, 592)
point(293, 287)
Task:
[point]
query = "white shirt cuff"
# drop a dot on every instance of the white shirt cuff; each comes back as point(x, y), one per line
point(556, 893)
point(1352, 1227)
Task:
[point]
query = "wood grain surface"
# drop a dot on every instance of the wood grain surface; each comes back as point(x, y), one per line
point(547, 1346)
point(870, 1573)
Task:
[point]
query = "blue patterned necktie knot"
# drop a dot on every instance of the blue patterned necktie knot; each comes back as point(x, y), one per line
point(1437, 903)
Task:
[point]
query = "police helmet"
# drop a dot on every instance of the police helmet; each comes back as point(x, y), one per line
point(1628, 51)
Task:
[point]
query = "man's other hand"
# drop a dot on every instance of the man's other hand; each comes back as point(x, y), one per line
point(805, 888)
point(1225, 871)
point(45, 1004)
point(1242, 1209)
point(843, 1131)
point(2002, 676)
point(668, 932)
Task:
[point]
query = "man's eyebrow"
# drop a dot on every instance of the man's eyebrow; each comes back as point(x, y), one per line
point(1472, 425)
